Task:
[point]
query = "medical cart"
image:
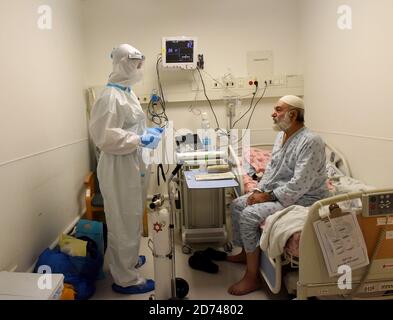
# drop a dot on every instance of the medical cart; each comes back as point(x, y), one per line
point(203, 209)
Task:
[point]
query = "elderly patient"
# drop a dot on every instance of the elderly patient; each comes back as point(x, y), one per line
point(295, 175)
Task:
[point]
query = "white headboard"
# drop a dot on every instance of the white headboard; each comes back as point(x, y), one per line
point(336, 158)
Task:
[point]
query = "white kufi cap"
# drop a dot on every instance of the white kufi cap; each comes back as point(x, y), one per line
point(293, 101)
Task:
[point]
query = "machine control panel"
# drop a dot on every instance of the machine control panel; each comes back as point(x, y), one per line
point(377, 204)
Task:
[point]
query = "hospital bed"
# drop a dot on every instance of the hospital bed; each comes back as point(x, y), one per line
point(311, 277)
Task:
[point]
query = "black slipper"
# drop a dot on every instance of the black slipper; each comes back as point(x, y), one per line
point(215, 254)
point(199, 261)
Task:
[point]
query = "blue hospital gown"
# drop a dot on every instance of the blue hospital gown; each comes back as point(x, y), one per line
point(296, 175)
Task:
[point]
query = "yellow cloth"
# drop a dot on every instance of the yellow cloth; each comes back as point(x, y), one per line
point(72, 246)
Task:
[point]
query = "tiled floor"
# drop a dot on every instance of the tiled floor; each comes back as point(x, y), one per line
point(203, 286)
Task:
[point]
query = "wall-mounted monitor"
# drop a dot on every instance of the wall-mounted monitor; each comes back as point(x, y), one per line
point(179, 52)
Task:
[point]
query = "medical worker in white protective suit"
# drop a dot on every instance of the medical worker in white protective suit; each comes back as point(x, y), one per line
point(118, 129)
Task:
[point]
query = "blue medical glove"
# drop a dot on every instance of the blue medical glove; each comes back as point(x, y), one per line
point(155, 131)
point(147, 139)
point(150, 140)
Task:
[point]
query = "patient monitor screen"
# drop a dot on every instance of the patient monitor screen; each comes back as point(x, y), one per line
point(179, 51)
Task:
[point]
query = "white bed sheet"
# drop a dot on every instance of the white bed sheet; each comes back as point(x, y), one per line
point(279, 228)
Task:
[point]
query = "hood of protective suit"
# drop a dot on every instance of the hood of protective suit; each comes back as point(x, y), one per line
point(127, 65)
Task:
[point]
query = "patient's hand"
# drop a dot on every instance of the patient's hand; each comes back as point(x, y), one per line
point(258, 197)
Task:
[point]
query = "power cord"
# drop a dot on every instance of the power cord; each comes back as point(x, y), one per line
point(252, 100)
point(207, 98)
point(262, 96)
point(160, 169)
point(159, 118)
point(249, 120)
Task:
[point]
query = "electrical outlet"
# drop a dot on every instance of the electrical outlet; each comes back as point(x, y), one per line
point(229, 84)
point(252, 81)
point(216, 85)
point(276, 81)
point(144, 99)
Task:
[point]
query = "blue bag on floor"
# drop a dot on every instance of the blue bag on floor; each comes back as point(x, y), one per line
point(94, 230)
point(80, 272)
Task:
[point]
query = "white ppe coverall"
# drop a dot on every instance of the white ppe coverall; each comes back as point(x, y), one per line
point(117, 122)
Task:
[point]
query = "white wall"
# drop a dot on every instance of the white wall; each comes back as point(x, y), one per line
point(349, 81)
point(44, 154)
point(226, 30)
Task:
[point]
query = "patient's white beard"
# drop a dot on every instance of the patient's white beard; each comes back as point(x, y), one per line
point(283, 125)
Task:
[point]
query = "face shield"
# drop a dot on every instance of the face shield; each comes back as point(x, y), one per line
point(140, 64)
point(133, 70)
point(128, 65)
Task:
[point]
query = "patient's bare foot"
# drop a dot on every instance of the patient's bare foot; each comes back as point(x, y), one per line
point(248, 284)
point(238, 258)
